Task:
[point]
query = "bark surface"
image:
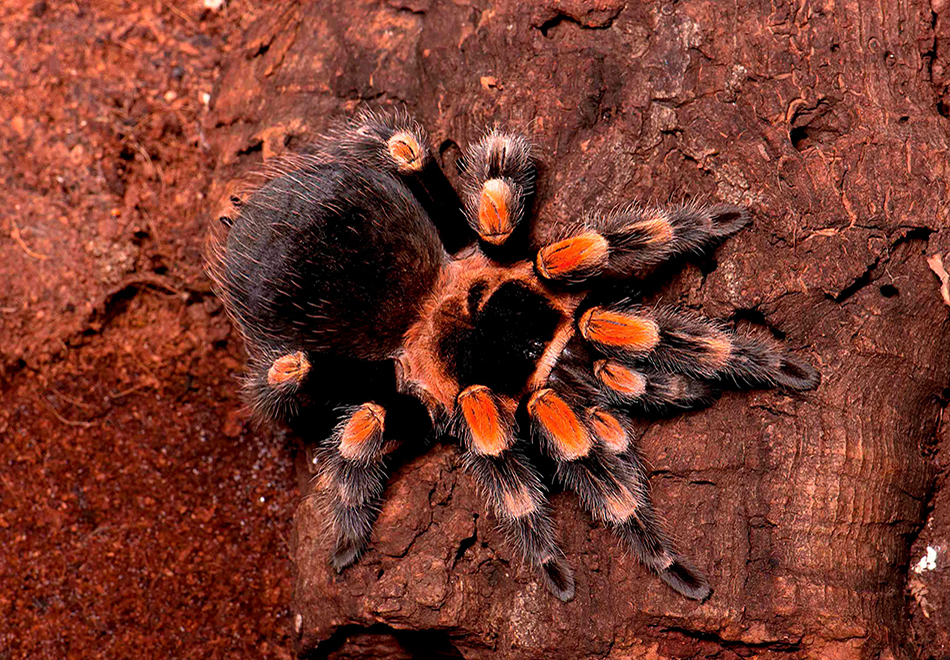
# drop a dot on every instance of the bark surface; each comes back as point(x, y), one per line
point(829, 121)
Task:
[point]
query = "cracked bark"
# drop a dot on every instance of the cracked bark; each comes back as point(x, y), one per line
point(802, 509)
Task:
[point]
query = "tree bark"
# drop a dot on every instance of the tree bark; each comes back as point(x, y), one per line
point(828, 120)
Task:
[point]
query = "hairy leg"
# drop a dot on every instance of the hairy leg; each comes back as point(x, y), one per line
point(595, 458)
point(497, 183)
point(619, 245)
point(487, 427)
point(676, 342)
point(397, 144)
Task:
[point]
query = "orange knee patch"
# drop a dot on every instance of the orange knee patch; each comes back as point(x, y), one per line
point(560, 423)
point(406, 151)
point(519, 502)
point(494, 220)
point(609, 430)
point(288, 369)
point(585, 252)
point(627, 382)
point(719, 350)
point(364, 425)
point(621, 505)
point(656, 230)
point(488, 432)
point(627, 331)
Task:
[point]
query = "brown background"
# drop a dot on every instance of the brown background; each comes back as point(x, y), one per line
point(141, 515)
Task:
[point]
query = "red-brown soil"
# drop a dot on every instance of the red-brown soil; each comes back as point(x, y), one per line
point(140, 515)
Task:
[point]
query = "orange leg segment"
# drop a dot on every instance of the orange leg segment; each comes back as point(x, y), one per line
point(288, 370)
point(580, 255)
point(629, 332)
point(609, 430)
point(364, 428)
point(560, 424)
point(490, 435)
point(494, 219)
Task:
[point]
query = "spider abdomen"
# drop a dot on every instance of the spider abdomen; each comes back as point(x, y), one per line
point(331, 258)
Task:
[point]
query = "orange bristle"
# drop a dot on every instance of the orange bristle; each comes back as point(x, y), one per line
point(560, 423)
point(609, 430)
point(587, 251)
point(288, 369)
point(365, 424)
point(484, 420)
point(494, 223)
point(519, 503)
point(631, 384)
point(407, 153)
point(632, 333)
point(620, 506)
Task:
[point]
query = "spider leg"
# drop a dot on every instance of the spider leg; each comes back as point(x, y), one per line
point(399, 145)
point(670, 341)
point(497, 184)
point(618, 245)
point(352, 476)
point(643, 388)
point(595, 458)
point(486, 424)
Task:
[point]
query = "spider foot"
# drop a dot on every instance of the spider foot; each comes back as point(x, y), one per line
point(558, 578)
point(686, 579)
point(346, 552)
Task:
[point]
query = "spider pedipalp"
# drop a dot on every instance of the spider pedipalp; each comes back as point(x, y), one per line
point(497, 184)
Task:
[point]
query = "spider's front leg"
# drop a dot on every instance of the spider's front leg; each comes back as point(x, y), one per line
point(487, 426)
point(639, 341)
point(618, 245)
point(498, 182)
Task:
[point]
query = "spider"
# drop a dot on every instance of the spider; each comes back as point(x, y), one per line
point(380, 308)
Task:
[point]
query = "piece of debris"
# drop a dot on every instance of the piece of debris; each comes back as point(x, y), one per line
point(919, 591)
point(936, 265)
point(489, 82)
point(928, 562)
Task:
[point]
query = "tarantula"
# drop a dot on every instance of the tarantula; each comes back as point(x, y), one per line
point(377, 309)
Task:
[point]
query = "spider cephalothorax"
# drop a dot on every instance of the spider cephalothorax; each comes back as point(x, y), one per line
point(377, 305)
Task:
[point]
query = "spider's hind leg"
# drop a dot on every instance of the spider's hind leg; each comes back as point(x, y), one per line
point(352, 477)
point(399, 145)
point(353, 466)
point(314, 394)
point(621, 244)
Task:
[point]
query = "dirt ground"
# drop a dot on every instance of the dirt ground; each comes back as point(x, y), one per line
point(140, 517)
point(142, 514)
